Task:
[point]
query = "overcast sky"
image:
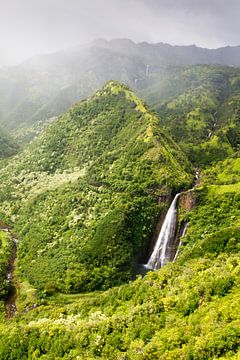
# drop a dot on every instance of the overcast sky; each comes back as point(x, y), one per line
point(29, 27)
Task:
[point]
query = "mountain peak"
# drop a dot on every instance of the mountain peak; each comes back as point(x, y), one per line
point(112, 87)
point(115, 87)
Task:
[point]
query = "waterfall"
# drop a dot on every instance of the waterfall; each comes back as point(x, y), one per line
point(180, 243)
point(162, 250)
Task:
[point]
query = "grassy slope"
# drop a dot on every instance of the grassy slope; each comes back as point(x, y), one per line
point(83, 196)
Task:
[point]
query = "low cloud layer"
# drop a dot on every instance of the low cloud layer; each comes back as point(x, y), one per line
point(29, 27)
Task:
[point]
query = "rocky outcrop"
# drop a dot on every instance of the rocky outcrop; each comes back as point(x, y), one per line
point(187, 200)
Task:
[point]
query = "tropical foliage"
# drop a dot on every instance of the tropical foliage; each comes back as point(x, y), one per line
point(85, 197)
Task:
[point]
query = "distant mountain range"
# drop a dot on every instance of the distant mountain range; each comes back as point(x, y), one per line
point(46, 85)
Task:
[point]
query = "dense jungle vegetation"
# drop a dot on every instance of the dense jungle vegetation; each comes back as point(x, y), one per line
point(85, 197)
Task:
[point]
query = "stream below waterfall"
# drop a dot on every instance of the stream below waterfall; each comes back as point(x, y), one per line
point(10, 301)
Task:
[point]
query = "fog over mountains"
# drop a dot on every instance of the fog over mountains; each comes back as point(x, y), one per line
point(46, 85)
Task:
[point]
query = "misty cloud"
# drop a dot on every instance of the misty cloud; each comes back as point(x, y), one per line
point(29, 27)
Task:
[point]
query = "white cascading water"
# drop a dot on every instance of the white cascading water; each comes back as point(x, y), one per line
point(180, 243)
point(162, 250)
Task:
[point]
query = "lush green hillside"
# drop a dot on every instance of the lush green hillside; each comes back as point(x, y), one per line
point(46, 85)
point(204, 118)
point(83, 197)
point(187, 310)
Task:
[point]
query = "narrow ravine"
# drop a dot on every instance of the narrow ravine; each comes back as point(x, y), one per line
point(10, 301)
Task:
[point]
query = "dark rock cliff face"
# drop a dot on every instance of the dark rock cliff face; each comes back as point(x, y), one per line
point(164, 201)
point(187, 200)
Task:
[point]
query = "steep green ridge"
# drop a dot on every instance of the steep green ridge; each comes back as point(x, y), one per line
point(84, 195)
point(187, 310)
point(204, 118)
point(46, 85)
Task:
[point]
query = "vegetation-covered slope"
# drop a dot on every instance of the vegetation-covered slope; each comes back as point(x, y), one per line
point(186, 310)
point(45, 86)
point(84, 198)
point(84, 195)
point(204, 118)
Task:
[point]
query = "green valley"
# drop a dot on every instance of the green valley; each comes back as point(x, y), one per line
point(86, 198)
